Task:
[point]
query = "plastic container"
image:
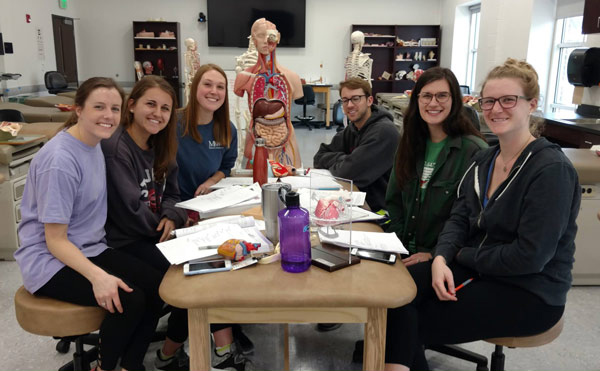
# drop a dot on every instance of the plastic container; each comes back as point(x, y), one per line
point(259, 166)
point(294, 235)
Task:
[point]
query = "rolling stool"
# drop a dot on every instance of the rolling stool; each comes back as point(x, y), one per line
point(497, 363)
point(50, 317)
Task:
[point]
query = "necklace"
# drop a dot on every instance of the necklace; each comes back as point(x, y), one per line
point(504, 167)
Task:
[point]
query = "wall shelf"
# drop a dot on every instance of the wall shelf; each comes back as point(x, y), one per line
point(169, 57)
point(384, 57)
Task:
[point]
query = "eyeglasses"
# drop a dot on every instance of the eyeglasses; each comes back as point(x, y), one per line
point(441, 97)
point(506, 101)
point(354, 99)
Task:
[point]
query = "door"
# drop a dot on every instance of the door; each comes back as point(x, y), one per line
point(64, 47)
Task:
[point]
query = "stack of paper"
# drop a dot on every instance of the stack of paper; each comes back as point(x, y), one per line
point(242, 221)
point(296, 182)
point(358, 198)
point(387, 242)
point(226, 201)
point(204, 243)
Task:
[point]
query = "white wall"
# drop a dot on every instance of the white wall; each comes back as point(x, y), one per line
point(108, 50)
point(23, 35)
point(569, 8)
point(456, 20)
point(540, 46)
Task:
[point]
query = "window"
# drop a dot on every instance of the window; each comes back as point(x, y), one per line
point(473, 41)
point(567, 38)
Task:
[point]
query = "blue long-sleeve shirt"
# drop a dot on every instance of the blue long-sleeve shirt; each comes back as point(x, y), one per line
point(199, 161)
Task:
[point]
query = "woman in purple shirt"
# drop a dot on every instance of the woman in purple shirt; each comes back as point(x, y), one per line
point(63, 252)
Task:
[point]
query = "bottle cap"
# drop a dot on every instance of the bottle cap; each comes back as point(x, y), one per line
point(292, 199)
point(260, 142)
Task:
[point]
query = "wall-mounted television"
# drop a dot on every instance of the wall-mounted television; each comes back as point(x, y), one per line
point(229, 21)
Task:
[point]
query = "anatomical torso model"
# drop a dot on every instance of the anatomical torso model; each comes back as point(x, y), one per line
point(271, 89)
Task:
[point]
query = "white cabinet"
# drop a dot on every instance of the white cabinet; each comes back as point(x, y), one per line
point(14, 164)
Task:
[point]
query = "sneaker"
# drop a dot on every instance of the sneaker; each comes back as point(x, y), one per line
point(179, 362)
point(357, 355)
point(324, 327)
point(231, 361)
point(244, 344)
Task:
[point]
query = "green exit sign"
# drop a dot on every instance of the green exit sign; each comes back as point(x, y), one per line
point(62, 4)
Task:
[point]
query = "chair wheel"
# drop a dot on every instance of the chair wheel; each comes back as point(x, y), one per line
point(63, 346)
point(482, 368)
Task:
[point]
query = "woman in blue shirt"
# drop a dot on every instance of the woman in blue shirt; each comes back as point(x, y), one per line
point(207, 139)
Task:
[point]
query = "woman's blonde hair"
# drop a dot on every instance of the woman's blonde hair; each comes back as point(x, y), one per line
point(528, 78)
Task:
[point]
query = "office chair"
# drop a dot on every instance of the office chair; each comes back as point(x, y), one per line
point(473, 116)
point(70, 322)
point(11, 115)
point(338, 116)
point(490, 137)
point(307, 99)
point(497, 362)
point(465, 89)
point(56, 82)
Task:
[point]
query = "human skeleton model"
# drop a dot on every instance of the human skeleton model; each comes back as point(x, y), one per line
point(358, 64)
point(271, 89)
point(242, 62)
point(192, 63)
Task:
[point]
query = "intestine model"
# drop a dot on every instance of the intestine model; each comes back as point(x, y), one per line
point(192, 63)
point(241, 111)
point(358, 64)
point(271, 89)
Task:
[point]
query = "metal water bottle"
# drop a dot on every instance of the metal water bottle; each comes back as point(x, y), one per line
point(294, 235)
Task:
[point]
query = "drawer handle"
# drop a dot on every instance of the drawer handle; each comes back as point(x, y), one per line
point(587, 142)
point(598, 23)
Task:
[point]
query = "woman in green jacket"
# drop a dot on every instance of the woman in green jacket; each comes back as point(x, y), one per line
point(437, 143)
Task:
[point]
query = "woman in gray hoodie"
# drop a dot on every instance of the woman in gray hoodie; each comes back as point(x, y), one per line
point(510, 236)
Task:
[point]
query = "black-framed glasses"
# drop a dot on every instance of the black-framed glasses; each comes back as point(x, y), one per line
point(441, 97)
point(355, 99)
point(506, 101)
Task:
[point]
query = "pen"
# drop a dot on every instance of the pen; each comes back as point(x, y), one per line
point(208, 247)
point(306, 171)
point(463, 284)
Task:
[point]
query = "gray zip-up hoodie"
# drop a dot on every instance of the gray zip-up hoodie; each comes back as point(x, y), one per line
point(365, 156)
point(525, 234)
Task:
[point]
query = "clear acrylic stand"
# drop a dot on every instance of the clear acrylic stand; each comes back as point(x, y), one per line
point(330, 204)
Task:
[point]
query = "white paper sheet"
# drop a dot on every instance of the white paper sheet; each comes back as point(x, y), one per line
point(295, 181)
point(195, 245)
point(221, 198)
point(387, 242)
point(242, 221)
point(358, 198)
point(205, 242)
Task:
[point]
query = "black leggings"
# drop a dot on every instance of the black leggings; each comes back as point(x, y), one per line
point(147, 251)
point(485, 309)
point(128, 334)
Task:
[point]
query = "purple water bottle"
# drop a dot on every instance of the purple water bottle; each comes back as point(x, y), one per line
point(294, 235)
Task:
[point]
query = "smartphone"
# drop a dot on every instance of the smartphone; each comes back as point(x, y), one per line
point(379, 256)
point(192, 268)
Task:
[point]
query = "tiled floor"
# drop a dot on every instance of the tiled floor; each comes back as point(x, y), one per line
point(576, 348)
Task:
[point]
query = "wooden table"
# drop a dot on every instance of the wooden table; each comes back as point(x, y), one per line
point(325, 89)
point(267, 294)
